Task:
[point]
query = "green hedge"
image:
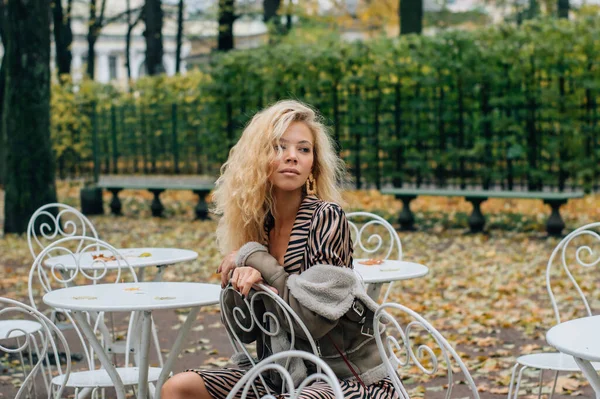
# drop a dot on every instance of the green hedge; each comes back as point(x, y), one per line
point(511, 107)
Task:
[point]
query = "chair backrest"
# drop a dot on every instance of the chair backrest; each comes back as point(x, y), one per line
point(54, 221)
point(94, 261)
point(267, 313)
point(373, 236)
point(43, 343)
point(580, 248)
point(412, 343)
point(273, 364)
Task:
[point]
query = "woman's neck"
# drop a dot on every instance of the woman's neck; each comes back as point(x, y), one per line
point(287, 204)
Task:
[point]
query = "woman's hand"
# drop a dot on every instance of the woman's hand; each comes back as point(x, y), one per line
point(244, 278)
point(226, 266)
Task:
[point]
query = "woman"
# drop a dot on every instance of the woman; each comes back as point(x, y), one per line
point(282, 226)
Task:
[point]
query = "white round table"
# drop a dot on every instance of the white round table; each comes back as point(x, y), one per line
point(127, 297)
point(580, 338)
point(387, 272)
point(151, 257)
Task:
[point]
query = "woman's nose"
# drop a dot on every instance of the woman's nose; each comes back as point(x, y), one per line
point(290, 156)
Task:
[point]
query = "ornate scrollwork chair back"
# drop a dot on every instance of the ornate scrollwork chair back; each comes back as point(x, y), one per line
point(29, 336)
point(263, 314)
point(54, 221)
point(571, 273)
point(93, 261)
point(412, 345)
point(324, 376)
point(578, 256)
point(374, 237)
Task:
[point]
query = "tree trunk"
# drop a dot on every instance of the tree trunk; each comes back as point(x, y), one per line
point(91, 54)
point(154, 46)
point(563, 9)
point(179, 37)
point(128, 41)
point(533, 9)
point(226, 19)
point(63, 36)
point(2, 86)
point(270, 8)
point(130, 25)
point(30, 164)
point(411, 16)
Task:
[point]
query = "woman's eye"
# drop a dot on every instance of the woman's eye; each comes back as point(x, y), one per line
point(306, 150)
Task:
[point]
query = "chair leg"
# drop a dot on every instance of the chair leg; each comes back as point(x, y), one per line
point(554, 385)
point(157, 344)
point(519, 381)
point(541, 381)
point(387, 292)
point(512, 380)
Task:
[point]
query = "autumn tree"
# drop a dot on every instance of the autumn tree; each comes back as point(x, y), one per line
point(26, 116)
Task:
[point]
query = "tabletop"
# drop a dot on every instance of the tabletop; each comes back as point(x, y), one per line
point(126, 297)
point(389, 270)
point(136, 257)
point(577, 337)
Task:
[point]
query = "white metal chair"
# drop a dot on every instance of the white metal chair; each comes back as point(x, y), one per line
point(373, 236)
point(410, 340)
point(264, 312)
point(111, 267)
point(324, 375)
point(576, 249)
point(34, 335)
point(54, 221)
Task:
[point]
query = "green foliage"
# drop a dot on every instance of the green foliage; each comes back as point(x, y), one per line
point(509, 106)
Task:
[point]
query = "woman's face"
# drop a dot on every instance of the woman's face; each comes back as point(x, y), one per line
point(292, 167)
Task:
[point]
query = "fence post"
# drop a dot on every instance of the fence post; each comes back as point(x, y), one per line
point(95, 141)
point(175, 145)
point(376, 137)
point(113, 128)
point(397, 180)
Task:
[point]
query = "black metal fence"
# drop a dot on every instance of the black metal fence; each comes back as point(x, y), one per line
point(463, 136)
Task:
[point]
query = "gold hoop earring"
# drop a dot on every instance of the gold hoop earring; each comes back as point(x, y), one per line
point(311, 185)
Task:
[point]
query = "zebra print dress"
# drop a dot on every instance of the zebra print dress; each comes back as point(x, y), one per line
point(320, 234)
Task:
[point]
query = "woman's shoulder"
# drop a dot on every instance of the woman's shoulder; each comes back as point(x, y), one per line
point(329, 209)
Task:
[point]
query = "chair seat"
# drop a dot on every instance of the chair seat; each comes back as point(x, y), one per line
point(18, 326)
point(100, 378)
point(551, 361)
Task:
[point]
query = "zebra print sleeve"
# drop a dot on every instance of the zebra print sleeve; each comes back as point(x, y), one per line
point(330, 242)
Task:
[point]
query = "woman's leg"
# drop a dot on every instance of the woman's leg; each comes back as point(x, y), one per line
point(187, 385)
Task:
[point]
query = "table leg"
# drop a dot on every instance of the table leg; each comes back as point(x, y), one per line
point(144, 348)
point(159, 273)
point(102, 356)
point(590, 373)
point(176, 349)
point(373, 291)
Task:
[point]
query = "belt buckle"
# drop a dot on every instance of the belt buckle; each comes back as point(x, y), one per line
point(369, 329)
point(359, 309)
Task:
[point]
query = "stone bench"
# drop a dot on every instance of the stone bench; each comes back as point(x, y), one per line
point(554, 224)
point(156, 185)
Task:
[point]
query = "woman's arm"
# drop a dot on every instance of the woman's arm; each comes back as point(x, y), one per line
point(329, 243)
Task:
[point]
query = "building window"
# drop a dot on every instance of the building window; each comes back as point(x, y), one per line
point(112, 67)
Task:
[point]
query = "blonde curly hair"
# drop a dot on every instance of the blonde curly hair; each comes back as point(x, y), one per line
point(243, 194)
